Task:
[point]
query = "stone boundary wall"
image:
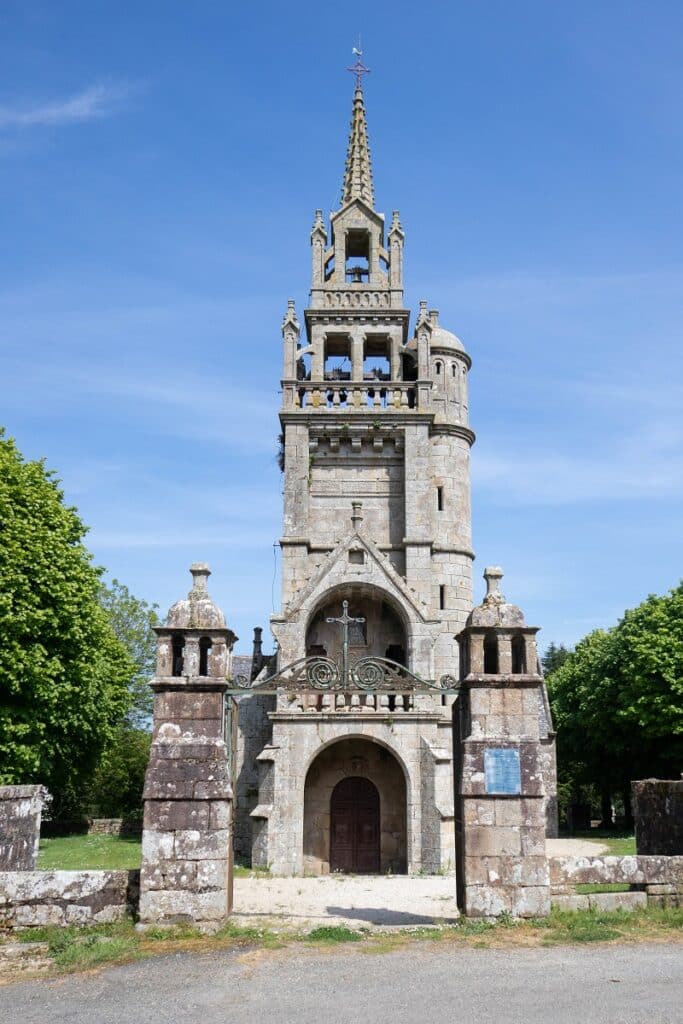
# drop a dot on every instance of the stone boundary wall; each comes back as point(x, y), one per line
point(115, 827)
point(32, 899)
point(654, 880)
point(20, 812)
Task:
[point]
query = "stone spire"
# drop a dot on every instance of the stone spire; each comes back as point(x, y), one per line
point(358, 170)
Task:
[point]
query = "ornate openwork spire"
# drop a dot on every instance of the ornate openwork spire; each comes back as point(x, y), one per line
point(358, 170)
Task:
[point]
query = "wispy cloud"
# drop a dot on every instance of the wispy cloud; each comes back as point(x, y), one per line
point(94, 102)
point(651, 471)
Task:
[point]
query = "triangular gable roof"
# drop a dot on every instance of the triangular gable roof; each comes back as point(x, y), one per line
point(380, 572)
point(371, 214)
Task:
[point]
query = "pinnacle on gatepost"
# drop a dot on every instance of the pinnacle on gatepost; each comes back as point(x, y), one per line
point(493, 574)
point(200, 575)
point(358, 171)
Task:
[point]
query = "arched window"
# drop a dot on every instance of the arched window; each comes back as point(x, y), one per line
point(454, 370)
point(178, 646)
point(204, 652)
point(491, 654)
point(437, 369)
point(518, 655)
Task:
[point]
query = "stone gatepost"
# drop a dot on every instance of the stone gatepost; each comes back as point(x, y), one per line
point(20, 812)
point(187, 826)
point(502, 782)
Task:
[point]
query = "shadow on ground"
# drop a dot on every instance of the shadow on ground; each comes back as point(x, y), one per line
point(379, 915)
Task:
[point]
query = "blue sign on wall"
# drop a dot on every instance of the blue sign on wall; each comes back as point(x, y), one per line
point(502, 771)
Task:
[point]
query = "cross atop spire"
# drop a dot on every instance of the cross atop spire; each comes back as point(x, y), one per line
point(358, 171)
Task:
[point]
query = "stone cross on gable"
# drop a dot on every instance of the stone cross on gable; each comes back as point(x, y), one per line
point(345, 621)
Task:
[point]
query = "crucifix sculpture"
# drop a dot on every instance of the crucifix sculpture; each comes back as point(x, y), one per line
point(344, 621)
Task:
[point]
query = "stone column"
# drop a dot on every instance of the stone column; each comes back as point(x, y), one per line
point(357, 346)
point(187, 825)
point(476, 659)
point(395, 342)
point(504, 653)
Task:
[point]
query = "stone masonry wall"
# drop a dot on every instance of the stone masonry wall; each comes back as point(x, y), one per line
point(657, 880)
point(254, 731)
point(20, 812)
point(115, 827)
point(32, 899)
point(298, 739)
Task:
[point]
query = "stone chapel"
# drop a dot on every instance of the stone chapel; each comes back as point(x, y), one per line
point(376, 568)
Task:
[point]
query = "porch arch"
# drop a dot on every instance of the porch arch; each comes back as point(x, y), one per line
point(386, 633)
point(359, 757)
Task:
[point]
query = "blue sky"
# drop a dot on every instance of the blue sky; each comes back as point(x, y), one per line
point(160, 164)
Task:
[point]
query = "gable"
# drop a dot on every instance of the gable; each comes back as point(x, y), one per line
point(356, 560)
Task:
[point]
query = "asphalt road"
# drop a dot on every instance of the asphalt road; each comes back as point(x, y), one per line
point(425, 984)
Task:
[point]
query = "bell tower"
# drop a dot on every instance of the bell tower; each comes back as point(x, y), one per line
point(376, 552)
point(374, 415)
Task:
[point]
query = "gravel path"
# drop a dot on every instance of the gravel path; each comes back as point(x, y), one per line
point(575, 847)
point(355, 900)
point(359, 900)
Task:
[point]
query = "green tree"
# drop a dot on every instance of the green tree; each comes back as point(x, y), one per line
point(554, 656)
point(133, 622)
point(617, 701)
point(115, 788)
point(64, 676)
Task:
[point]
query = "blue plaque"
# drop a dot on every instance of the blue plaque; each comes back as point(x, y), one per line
point(502, 771)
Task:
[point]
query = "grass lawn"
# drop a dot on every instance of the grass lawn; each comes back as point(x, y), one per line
point(102, 853)
point(83, 852)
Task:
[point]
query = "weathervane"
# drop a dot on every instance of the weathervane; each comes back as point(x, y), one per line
point(358, 69)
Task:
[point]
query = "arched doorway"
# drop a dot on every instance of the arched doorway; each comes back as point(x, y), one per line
point(354, 827)
point(346, 828)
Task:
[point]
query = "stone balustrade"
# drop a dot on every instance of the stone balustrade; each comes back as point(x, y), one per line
point(326, 703)
point(324, 395)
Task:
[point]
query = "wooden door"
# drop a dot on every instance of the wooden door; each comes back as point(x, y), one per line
point(354, 827)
